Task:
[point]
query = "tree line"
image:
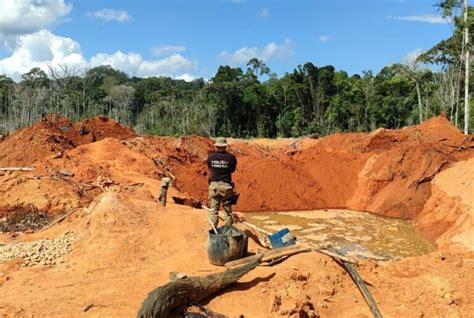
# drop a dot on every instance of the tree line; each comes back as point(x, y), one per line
point(252, 101)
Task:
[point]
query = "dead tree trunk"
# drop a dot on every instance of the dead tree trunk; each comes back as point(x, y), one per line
point(182, 292)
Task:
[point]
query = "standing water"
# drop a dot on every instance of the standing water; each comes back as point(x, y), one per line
point(356, 234)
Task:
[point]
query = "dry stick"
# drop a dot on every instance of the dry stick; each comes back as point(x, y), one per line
point(262, 241)
point(17, 169)
point(363, 289)
point(133, 185)
point(212, 224)
point(59, 219)
point(253, 226)
point(259, 229)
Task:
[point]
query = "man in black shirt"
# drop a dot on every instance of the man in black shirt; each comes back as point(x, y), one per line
point(221, 165)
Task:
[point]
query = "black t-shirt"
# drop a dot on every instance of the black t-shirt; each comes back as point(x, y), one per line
point(221, 165)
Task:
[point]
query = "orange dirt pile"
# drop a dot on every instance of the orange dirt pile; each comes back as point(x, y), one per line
point(29, 145)
point(98, 128)
point(45, 146)
point(126, 243)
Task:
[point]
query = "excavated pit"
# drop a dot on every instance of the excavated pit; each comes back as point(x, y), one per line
point(357, 235)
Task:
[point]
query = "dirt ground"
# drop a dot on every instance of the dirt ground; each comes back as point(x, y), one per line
point(126, 244)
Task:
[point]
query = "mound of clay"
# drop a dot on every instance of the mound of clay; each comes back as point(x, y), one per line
point(54, 196)
point(55, 135)
point(108, 158)
point(29, 145)
point(98, 128)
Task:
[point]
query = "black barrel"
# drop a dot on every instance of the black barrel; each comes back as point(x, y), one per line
point(227, 245)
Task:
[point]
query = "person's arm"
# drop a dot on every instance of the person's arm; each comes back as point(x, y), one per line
point(234, 164)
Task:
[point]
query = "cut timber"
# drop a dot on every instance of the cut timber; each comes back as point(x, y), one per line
point(181, 292)
point(271, 255)
point(17, 169)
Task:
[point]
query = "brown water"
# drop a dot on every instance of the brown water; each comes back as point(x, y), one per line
point(351, 233)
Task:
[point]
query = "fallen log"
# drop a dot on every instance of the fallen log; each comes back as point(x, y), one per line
point(17, 169)
point(181, 292)
point(271, 255)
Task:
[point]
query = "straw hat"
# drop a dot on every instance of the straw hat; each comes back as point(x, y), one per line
point(221, 142)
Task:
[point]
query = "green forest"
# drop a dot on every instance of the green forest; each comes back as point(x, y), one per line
point(253, 101)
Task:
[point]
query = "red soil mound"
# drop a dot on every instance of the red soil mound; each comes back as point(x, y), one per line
point(396, 180)
point(98, 128)
point(47, 145)
point(29, 145)
point(108, 158)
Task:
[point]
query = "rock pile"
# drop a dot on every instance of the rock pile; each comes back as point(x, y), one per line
point(23, 219)
point(40, 252)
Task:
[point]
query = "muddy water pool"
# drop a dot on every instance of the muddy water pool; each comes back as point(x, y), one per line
point(356, 234)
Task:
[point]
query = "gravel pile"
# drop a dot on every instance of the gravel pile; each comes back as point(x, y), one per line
point(23, 219)
point(40, 252)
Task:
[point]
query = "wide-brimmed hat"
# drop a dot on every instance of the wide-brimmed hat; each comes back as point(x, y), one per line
point(220, 142)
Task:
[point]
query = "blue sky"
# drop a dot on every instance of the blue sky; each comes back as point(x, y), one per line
point(191, 38)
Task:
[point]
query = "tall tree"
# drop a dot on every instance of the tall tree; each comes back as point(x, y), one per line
point(448, 8)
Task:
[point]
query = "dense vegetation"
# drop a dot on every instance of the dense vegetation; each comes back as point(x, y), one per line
point(249, 102)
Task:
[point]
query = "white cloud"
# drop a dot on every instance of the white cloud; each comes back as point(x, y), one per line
point(325, 38)
point(43, 49)
point(264, 13)
point(170, 66)
point(166, 50)
point(127, 62)
point(270, 51)
point(426, 18)
point(186, 77)
point(111, 15)
point(410, 58)
point(28, 16)
point(23, 31)
point(241, 56)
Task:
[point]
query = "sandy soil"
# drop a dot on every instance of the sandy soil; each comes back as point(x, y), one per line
point(126, 244)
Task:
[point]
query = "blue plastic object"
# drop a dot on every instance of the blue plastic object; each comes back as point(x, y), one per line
point(281, 238)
